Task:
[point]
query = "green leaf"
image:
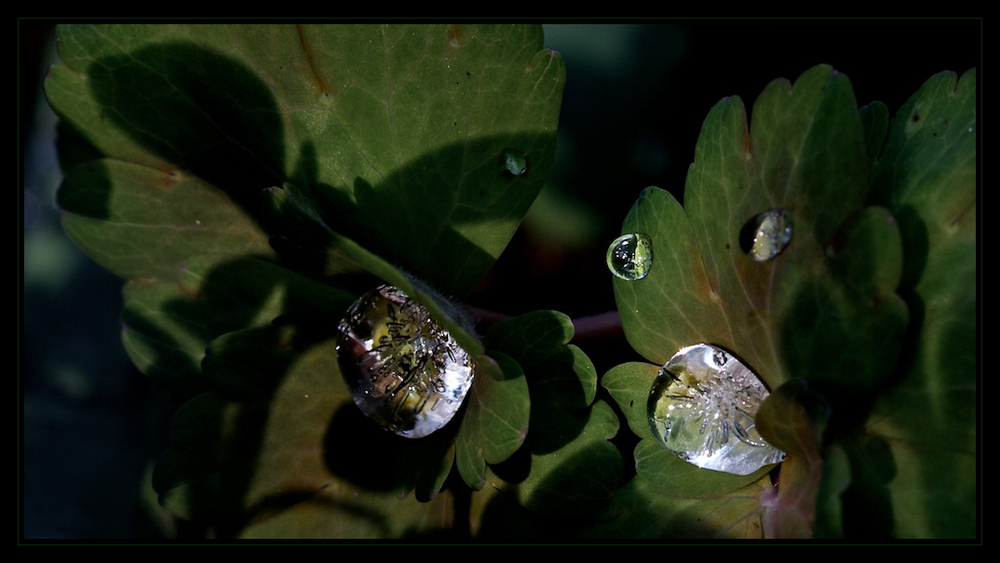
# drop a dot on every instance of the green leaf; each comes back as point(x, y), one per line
point(364, 517)
point(561, 378)
point(532, 337)
point(875, 123)
point(280, 402)
point(495, 421)
point(641, 510)
point(567, 469)
point(254, 373)
point(393, 135)
point(927, 175)
point(665, 480)
point(552, 493)
point(240, 174)
point(792, 419)
point(629, 386)
point(575, 480)
point(190, 478)
point(191, 172)
point(397, 134)
point(829, 517)
point(823, 310)
point(169, 322)
point(805, 155)
point(574, 469)
point(343, 256)
point(139, 221)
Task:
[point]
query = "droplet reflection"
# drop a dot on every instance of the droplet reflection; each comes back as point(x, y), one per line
point(702, 407)
point(513, 163)
point(630, 256)
point(404, 371)
point(766, 234)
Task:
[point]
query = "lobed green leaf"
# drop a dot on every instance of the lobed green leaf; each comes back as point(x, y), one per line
point(825, 310)
point(398, 134)
point(927, 175)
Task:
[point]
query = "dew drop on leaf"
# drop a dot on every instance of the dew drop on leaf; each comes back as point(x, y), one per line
point(513, 163)
point(702, 407)
point(630, 256)
point(766, 235)
point(403, 369)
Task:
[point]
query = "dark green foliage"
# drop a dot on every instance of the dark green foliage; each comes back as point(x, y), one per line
point(249, 182)
point(839, 314)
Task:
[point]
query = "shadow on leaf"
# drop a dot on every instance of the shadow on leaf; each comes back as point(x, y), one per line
point(203, 111)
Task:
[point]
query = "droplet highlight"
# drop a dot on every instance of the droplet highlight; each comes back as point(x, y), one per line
point(630, 256)
point(513, 163)
point(702, 407)
point(404, 370)
point(766, 235)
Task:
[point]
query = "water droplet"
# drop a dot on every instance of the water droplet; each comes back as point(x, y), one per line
point(404, 370)
point(703, 406)
point(631, 256)
point(456, 35)
point(766, 235)
point(513, 163)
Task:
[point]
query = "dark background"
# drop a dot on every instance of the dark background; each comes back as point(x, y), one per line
point(635, 97)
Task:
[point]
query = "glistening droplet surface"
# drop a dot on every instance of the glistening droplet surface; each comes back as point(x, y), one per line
point(513, 163)
point(631, 256)
point(403, 369)
point(767, 234)
point(702, 407)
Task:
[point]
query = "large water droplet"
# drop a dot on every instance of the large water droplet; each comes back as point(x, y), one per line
point(631, 256)
point(513, 163)
point(403, 369)
point(703, 406)
point(767, 234)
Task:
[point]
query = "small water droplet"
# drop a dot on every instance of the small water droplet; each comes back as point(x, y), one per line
point(702, 407)
point(513, 163)
point(631, 256)
point(456, 35)
point(403, 369)
point(764, 236)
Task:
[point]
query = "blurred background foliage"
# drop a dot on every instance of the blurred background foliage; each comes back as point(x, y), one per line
point(635, 98)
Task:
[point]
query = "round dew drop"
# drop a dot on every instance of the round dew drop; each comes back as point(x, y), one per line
point(771, 231)
point(702, 407)
point(630, 256)
point(403, 369)
point(513, 163)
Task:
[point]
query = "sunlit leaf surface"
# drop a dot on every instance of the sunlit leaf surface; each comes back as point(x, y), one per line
point(399, 134)
point(250, 181)
point(828, 312)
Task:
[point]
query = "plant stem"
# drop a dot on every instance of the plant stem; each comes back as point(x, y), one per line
point(601, 326)
point(598, 327)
